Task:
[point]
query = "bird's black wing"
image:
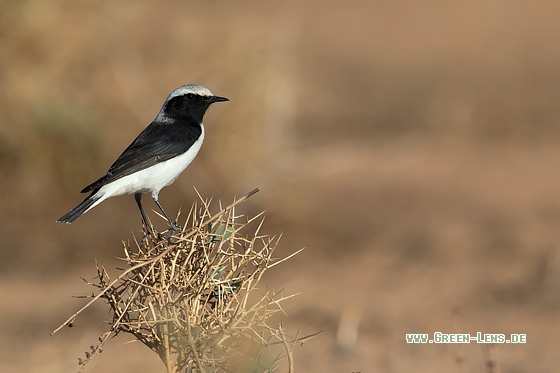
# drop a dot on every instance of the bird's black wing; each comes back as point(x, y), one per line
point(157, 143)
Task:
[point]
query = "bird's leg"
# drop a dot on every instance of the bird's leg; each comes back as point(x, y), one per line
point(174, 226)
point(149, 230)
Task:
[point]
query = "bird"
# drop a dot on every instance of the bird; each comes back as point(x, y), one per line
point(156, 157)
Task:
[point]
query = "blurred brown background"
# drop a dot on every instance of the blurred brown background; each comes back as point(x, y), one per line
point(410, 146)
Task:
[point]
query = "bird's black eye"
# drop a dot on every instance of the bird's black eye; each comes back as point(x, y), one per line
point(190, 96)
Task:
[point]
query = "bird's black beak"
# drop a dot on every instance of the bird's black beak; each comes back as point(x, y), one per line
point(218, 99)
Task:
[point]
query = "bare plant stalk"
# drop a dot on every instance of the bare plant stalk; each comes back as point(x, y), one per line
point(164, 327)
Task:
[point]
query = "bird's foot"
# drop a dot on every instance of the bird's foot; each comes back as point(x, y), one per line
point(149, 231)
point(143, 240)
point(160, 236)
point(175, 227)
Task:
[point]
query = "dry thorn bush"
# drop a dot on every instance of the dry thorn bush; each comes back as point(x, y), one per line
point(194, 299)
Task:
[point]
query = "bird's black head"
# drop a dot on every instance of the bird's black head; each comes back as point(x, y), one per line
point(188, 102)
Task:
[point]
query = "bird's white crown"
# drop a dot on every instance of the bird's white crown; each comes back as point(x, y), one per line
point(190, 88)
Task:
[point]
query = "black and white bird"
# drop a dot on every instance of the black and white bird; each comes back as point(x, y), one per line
point(157, 156)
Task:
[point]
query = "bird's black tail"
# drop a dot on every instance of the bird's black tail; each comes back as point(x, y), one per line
point(79, 210)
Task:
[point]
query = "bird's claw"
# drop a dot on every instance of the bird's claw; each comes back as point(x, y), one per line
point(143, 240)
point(149, 232)
point(159, 236)
point(175, 227)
